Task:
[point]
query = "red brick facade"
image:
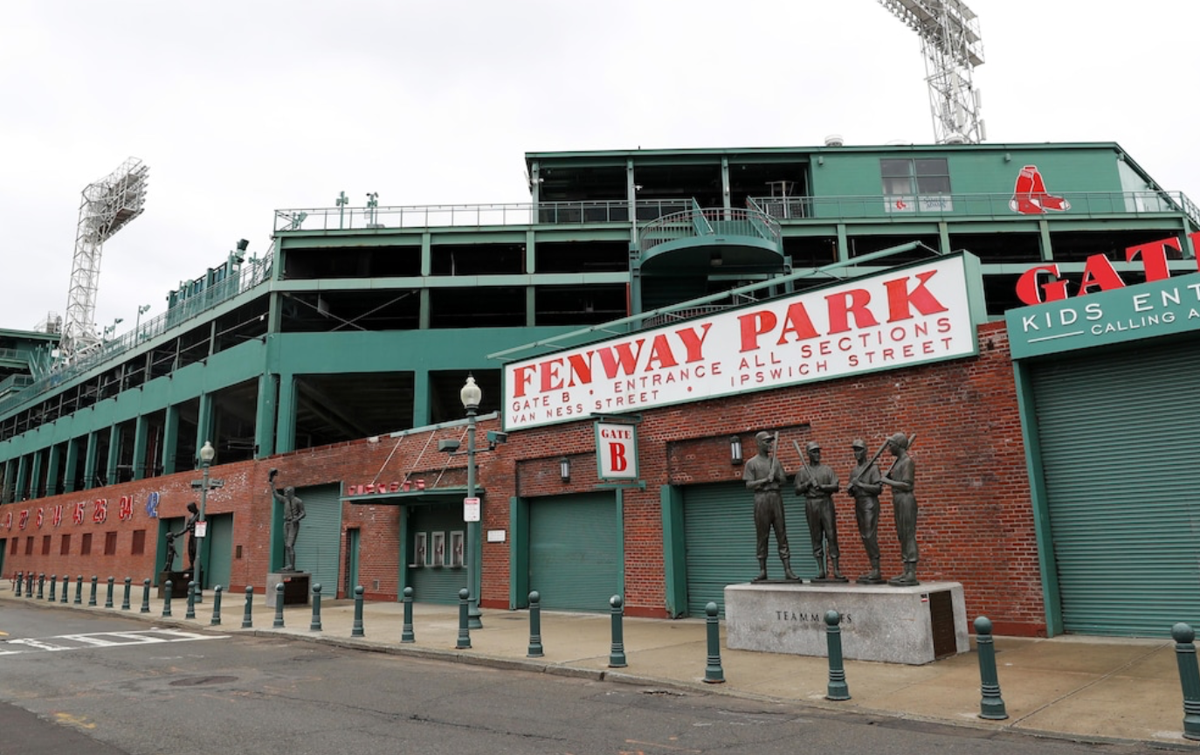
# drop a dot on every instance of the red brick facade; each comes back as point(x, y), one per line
point(975, 526)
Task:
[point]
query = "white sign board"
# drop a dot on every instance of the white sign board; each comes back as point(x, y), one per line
point(616, 451)
point(470, 509)
point(201, 529)
point(900, 318)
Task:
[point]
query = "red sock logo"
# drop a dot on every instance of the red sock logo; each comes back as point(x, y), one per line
point(1030, 196)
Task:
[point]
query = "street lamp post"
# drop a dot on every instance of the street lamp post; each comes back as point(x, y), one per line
point(142, 309)
point(207, 454)
point(471, 396)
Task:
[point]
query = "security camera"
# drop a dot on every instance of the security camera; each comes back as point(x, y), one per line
point(449, 445)
point(495, 436)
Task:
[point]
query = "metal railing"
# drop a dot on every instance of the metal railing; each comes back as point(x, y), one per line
point(988, 205)
point(253, 273)
point(12, 355)
point(698, 223)
point(472, 215)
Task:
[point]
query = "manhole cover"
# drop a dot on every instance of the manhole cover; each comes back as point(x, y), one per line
point(197, 681)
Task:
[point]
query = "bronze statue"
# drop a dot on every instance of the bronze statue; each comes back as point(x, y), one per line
point(864, 487)
point(764, 474)
point(293, 512)
point(900, 478)
point(190, 528)
point(817, 482)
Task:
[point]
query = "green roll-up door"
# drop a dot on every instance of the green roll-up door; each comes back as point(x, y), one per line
point(220, 550)
point(718, 522)
point(1118, 435)
point(574, 551)
point(319, 541)
point(434, 581)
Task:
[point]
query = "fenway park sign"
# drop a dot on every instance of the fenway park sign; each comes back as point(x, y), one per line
point(904, 317)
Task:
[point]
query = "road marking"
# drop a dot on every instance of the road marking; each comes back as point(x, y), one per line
point(95, 640)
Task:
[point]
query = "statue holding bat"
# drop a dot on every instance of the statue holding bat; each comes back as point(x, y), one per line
point(764, 475)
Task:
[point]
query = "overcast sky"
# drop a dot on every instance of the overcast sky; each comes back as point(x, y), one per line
point(243, 107)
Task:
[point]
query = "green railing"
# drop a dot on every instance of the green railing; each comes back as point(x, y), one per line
point(698, 223)
point(1081, 203)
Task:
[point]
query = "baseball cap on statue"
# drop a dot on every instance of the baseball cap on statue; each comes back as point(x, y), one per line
point(763, 437)
point(858, 443)
point(812, 446)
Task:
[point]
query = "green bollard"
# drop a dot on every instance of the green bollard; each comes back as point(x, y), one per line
point(145, 596)
point(357, 629)
point(278, 606)
point(616, 656)
point(713, 673)
point(991, 706)
point(167, 586)
point(66, 589)
point(406, 633)
point(837, 689)
point(53, 588)
point(216, 614)
point(247, 619)
point(108, 596)
point(1189, 678)
point(315, 625)
point(20, 582)
point(190, 613)
point(79, 590)
point(125, 595)
point(42, 586)
point(92, 596)
point(535, 626)
point(29, 586)
point(464, 630)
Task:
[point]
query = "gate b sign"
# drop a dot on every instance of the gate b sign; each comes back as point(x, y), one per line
point(616, 451)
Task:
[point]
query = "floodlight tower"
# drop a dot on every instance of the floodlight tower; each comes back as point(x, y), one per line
point(107, 206)
point(952, 46)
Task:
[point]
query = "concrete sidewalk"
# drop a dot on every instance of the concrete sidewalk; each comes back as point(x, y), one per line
point(1092, 689)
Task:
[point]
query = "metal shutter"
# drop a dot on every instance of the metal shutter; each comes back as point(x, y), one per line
point(319, 540)
point(437, 584)
point(718, 522)
point(1118, 436)
point(574, 551)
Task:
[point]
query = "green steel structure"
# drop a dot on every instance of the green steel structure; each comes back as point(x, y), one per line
point(364, 321)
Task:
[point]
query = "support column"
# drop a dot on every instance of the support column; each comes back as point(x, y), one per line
point(1044, 236)
point(204, 422)
point(421, 412)
point(423, 309)
point(285, 423)
point(944, 236)
point(114, 454)
point(264, 418)
point(426, 254)
point(71, 465)
point(843, 243)
point(7, 491)
point(530, 251)
point(141, 427)
point(530, 307)
point(170, 439)
point(53, 459)
point(89, 462)
point(725, 193)
point(35, 469)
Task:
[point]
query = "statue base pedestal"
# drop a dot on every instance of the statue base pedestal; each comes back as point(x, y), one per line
point(913, 625)
point(179, 583)
point(295, 587)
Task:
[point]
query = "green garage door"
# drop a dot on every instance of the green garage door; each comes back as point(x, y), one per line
point(319, 541)
point(433, 576)
point(718, 522)
point(574, 551)
point(1118, 435)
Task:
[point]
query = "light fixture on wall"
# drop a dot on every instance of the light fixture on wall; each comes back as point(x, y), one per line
point(735, 450)
point(564, 469)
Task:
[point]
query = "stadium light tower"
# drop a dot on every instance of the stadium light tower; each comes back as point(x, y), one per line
point(953, 47)
point(107, 206)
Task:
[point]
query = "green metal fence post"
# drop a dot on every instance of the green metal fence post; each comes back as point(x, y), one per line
point(315, 624)
point(216, 613)
point(406, 632)
point(616, 656)
point(464, 630)
point(357, 629)
point(837, 689)
point(535, 626)
point(713, 673)
point(991, 705)
point(1189, 678)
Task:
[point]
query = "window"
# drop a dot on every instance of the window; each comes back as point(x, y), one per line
point(45, 545)
point(110, 543)
point(65, 548)
point(456, 548)
point(139, 543)
point(85, 545)
point(925, 180)
point(12, 550)
point(29, 546)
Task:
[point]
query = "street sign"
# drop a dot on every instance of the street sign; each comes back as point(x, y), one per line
point(201, 529)
point(470, 509)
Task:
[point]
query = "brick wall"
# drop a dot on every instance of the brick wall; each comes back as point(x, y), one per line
point(975, 524)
